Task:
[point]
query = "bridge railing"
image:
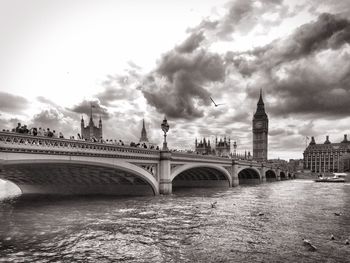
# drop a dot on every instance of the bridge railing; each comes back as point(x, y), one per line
point(199, 156)
point(16, 142)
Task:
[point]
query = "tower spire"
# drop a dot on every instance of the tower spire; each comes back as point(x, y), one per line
point(91, 119)
point(143, 132)
point(260, 110)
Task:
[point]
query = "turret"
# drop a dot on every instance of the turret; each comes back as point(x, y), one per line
point(100, 127)
point(327, 140)
point(82, 124)
point(345, 139)
point(312, 141)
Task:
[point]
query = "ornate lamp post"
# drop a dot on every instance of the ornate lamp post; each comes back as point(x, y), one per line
point(165, 129)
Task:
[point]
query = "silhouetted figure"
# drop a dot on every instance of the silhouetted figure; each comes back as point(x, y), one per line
point(49, 133)
point(18, 127)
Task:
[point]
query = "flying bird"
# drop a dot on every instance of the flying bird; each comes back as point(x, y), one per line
point(215, 103)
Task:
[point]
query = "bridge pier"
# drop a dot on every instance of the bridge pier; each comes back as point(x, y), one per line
point(165, 183)
point(234, 174)
point(1, 164)
point(278, 175)
point(262, 171)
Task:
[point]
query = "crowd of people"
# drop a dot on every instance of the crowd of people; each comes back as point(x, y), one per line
point(34, 131)
point(37, 131)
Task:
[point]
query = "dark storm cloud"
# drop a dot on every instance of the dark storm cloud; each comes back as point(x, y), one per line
point(297, 73)
point(84, 107)
point(242, 16)
point(310, 92)
point(12, 103)
point(178, 85)
point(191, 43)
point(327, 32)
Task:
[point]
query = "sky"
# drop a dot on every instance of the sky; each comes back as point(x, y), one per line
point(139, 60)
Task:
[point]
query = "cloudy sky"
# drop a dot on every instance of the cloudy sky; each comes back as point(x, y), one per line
point(145, 59)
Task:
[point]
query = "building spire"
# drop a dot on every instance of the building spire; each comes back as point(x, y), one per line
point(260, 110)
point(91, 119)
point(143, 132)
point(260, 98)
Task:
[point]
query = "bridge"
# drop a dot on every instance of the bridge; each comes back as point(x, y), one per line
point(45, 165)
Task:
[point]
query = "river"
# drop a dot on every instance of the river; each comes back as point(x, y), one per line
point(182, 227)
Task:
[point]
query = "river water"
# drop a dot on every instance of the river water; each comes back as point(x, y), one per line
point(183, 227)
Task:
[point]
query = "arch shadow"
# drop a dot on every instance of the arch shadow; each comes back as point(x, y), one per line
point(200, 176)
point(249, 176)
point(270, 175)
point(79, 177)
point(283, 176)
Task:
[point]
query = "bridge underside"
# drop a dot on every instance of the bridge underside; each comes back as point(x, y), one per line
point(283, 176)
point(270, 175)
point(74, 179)
point(248, 176)
point(200, 177)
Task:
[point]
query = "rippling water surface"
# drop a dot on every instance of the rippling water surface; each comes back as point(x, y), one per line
point(183, 227)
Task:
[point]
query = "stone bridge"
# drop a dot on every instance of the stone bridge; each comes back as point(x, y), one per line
point(60, 166)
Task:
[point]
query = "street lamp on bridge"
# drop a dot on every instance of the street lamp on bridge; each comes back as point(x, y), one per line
point(165, 128)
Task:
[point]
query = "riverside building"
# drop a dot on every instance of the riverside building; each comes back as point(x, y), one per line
point(327, 157)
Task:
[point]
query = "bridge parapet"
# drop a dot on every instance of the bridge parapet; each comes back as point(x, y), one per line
point(15, 142)
point(180, 156)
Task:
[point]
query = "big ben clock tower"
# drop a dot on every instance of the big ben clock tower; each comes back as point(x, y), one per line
point(260, 132)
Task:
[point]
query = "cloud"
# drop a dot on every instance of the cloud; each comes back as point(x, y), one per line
point(120, 87)
point(55, 119)
point(300, 74)
point(191, 43)
point(329, 31)
point(178, 86)
point(242, 17)
point(12, 103)
point(84, 107)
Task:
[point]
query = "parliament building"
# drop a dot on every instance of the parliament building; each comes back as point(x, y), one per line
point(222, 147)
point(327, 157)
point(91, 132)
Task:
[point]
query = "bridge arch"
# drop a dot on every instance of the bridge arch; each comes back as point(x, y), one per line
point(249, 175)
point(200, 175)
point(271, 175)
point(283, 175)
point(105, 176)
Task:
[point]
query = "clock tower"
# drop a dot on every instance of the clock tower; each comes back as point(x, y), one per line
point(260, 132)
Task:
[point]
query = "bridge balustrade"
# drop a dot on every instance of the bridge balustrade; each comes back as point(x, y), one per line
point(21, 142)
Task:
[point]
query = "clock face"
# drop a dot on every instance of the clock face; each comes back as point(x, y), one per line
point(258, 125)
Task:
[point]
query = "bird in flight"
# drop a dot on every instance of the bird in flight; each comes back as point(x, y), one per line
point(215, 103)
